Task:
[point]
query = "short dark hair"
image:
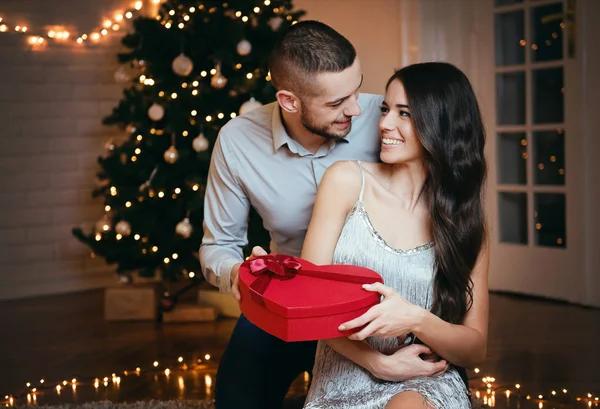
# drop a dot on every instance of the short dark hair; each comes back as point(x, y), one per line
point(306, 49)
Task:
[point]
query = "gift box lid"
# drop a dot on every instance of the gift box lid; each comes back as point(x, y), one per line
point(293, 287)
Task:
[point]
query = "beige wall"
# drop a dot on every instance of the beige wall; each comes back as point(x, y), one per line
point(372, 26)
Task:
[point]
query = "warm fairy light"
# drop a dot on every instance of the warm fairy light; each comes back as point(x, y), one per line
point(177, 190)
point(3, 28)
point(180, 359)
point(95, 36)
point(221, 115)
point(238, 14)
point(167, 372)
point(180, 25)
point(168, 25)
point(203, 74)
point(161, 194)
point(192, 9)
point(174, 95)
point(233, 115)
point(138, 5)
point(138, 151)
point(267, 2)
point(208, 380)
point(564, 391)
point(104, 32)
point(518, 386)
point(155, 249)
point(540, 397)
point(155, 364)
point(73, 380)
point(207, 357)
point(107, 208)
point(98, 237)
point(245, 19)
point(166, 260)
point(139, 137)
point(107, 23)
point(554, 393)
point(195, 188)
point(208, 118)
point(128, 15)
point(115, 27)
point(257, 9)
point(136, 237)
point(476, 370)
point(194, 112)
point(213, 71)
point(191, 274)
point(195, 92)
point(249, 75)
point(119, 236)
point(79, 40)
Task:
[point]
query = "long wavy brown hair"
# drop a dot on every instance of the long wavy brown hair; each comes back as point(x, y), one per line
point(447, 120)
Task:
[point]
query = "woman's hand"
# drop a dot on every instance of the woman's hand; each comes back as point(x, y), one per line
point(393, 317)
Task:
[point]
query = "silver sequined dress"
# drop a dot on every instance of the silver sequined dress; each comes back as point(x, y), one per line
point(340, 383)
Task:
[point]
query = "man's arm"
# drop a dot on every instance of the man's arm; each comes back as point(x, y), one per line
point(226, 210)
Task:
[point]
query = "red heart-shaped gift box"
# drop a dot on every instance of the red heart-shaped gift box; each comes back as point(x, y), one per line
point(295, 300)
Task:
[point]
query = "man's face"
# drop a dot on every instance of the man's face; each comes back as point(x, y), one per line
point(330, 113)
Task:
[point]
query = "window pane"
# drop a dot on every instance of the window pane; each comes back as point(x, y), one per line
point(549, 157)
point(512, 158)
point(550, 225)
point(513, 217)
point(510, 38)
point(510, 98)
point(546, 32)
point(548, 96)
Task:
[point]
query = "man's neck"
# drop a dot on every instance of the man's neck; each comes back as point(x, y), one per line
point(309, 141)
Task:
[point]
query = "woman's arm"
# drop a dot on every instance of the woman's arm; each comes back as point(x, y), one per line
point(463, 345)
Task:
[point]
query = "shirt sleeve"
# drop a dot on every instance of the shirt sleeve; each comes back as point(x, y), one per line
point(226, 210)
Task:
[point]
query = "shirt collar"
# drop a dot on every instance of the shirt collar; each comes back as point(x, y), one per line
point(280, 135)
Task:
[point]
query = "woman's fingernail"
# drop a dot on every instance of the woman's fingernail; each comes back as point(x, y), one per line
point(366, 285)
point(341, 327)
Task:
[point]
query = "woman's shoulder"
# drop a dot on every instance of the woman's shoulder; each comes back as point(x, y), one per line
point(343, 177)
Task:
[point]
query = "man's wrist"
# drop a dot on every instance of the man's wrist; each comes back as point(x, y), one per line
point(225, 275)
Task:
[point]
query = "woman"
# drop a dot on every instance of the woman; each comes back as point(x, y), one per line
point(417, 219)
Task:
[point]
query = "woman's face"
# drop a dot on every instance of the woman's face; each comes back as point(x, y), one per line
point(399, 141)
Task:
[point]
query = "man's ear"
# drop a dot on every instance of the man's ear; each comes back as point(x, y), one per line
point(288, 101)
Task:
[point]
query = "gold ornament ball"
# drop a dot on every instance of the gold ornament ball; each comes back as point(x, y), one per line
point(244, 48)
point(156, 112)
point(171, 155)
point(249, 106)
point(182, 65)
point(184, 228)
point(218, 80)
point(200, 143)
point(123, 228)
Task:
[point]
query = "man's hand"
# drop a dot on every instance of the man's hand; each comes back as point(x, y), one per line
point(406, 363)
point(257, 251)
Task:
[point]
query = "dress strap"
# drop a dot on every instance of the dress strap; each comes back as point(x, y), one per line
point(362, 186)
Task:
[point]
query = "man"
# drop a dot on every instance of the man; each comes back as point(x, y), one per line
point(273, 159)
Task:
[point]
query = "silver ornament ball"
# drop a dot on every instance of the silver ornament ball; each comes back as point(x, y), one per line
point(218, 80)
point(249, 106)
point(182, 65)
point(200, 143)
point(244, 48)
point(171, 155)
point(123, 228)
point(184, 228)
point(156, 112)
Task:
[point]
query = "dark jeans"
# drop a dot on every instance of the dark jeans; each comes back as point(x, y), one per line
point(257, 368)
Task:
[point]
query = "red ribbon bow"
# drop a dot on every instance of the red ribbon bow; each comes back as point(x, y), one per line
point(284, 267)
point(270, 266)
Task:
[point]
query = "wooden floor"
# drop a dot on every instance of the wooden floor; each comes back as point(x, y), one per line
point(542, 346)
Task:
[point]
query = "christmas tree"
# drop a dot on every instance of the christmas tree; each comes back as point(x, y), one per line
point(186, 73)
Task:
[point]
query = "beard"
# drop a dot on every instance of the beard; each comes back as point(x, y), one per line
point(324, 131)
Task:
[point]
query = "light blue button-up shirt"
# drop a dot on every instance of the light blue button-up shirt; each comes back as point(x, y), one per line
point(256, 163)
